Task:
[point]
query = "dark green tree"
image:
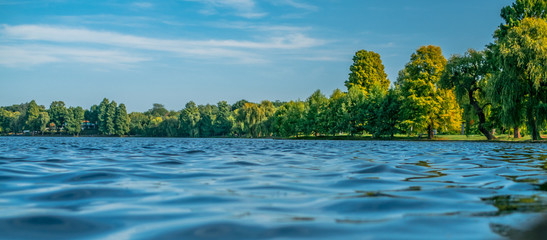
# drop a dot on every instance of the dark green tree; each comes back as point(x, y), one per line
point(316, 105)
point(121, 121)
point(74, 119)
point(468, 75)
point(521, 85)
point(102, 116)
point(58, 114)
point(225, 121)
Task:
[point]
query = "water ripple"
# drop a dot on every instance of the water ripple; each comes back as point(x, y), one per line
point(155, 188)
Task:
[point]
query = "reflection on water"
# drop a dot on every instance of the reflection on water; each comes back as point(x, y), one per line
point(145, 188)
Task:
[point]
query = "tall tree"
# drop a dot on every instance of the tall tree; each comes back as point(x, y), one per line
point(355, 101)
point(289, 118)
point(121, 120)
point(335, 113)
point(366, 71)
point(208, 116)
point(58, 114)
point(468, 75)
point(423, 101)
point(189, 119)
point(512, 106)
point(315, 108)
point(109, 118)
point(34, 118)
point(74, 119)
point(251, 116)
point(224, 121)
point(521, 85)
point(102, 116)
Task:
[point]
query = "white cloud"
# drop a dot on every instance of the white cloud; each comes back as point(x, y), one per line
point(297, 4)
point(242, 8)
point(143, 4)
point(36, 53)
point(15, 56)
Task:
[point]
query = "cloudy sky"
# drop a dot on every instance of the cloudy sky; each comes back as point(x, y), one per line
point(171, 52)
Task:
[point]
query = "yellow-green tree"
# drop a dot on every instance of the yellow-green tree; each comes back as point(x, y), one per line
point(366, 71)
point(426, 106)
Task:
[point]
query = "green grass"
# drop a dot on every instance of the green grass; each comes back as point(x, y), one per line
point(499, 138)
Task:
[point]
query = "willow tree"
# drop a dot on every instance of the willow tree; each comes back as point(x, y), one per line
point(468, 76)
point(367, 70)
point(425, 106)
point(507, 90)
point(522, 83)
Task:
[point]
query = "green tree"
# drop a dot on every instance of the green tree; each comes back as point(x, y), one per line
point(138, 123)
point(367, 71)
point(206, 122)
point(74, 119)
point(266, 126)
point(315, 108)
point(521, 84)
point(157, 110)
point(387, 118)
point(189, 119)
point(121, 120)
point(335, 113)
point(36, 118)
point(289, 119)
point(102, 116)
point(423, 106)
point(58, 114)
point(355, 101)
point(468, 75)
point(510, 106)
point(225, 121)
point(109, 118)
point(250, 117)
point(8, 120)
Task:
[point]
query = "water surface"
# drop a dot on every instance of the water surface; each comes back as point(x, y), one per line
point(146, 188)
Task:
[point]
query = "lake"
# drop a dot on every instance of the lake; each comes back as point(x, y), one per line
point(172, 188)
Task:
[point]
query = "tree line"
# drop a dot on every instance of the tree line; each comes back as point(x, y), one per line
point(501, 88)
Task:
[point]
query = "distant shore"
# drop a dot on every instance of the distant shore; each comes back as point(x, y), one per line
point(437, 138)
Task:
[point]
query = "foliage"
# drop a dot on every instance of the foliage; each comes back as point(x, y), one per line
point(189, 119)
point(121, 121)
point(74, 119)
point(520, 86)
point(367, 71)
point(424, 104)
point(58, 114)
point(468, 75)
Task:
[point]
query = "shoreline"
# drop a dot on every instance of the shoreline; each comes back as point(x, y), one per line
point(439, 138)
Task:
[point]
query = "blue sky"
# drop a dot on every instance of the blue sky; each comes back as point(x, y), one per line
point(171, 52)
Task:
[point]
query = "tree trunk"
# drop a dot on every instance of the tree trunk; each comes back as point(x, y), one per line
point(534, 130)
point(430, 133)
point(482, 117)
point(516, 133)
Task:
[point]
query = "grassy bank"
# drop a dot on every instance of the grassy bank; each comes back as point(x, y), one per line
point(475, 138)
